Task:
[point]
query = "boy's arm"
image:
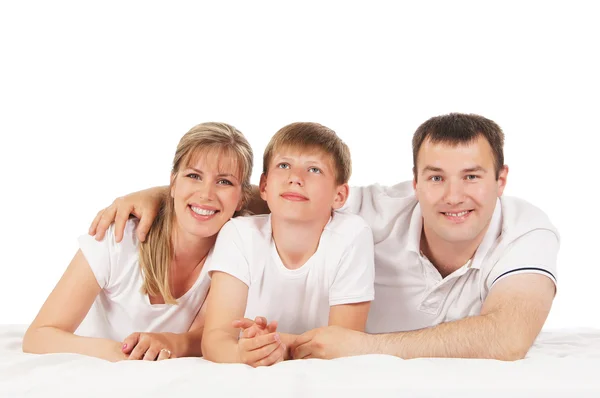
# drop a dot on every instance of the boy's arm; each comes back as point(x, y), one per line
point(145, 206)
point(350, 316)
point(220, 343)
point(142, 204)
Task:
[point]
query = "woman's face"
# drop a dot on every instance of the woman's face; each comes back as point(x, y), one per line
point(206, 193)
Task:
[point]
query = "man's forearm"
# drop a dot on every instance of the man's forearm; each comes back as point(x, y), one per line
point(474, 337)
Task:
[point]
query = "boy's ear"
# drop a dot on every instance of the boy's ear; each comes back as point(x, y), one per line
point(262, 187)
point(341, 195)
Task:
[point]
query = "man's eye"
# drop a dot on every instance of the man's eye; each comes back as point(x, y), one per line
point(472, 177)
point(436, 178)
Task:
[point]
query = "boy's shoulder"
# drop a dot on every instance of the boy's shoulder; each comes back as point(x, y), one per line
point(346, 225)
point(250, 225)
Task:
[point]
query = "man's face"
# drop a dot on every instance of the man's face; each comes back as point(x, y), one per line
point(457, 189)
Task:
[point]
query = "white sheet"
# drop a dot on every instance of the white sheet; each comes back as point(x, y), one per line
point(562, 363)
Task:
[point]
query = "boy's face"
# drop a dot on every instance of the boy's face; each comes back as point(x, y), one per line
point(457, 189)
point(300, 185)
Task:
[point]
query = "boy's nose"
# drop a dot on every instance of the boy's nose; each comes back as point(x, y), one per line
point(294, 178)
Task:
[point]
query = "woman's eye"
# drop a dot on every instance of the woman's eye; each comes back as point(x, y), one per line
point(194, 176)
point(224, 182)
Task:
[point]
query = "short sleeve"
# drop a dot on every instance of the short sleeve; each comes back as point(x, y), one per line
point(534, 252)
point(354, 280)
point(228, 255)
point(101, 256)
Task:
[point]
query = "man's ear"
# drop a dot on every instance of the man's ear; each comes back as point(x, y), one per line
point(502, 177)
point(262, 187)
point(341, 195)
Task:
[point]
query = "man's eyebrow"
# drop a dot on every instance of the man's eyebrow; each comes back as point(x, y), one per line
point(475, 169)
point(432, 169)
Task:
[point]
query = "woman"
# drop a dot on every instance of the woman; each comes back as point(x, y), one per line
point(146, 297)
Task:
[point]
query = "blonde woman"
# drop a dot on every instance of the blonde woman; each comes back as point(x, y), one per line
point(146, 298)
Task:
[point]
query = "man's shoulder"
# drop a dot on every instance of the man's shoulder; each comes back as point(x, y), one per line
point(402, 190)
point(520, 217)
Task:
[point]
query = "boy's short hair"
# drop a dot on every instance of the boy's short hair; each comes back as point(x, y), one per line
point(306, 135)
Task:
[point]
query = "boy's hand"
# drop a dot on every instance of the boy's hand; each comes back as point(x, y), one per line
point(143, 205)
point(255, 328)
point(263, 350)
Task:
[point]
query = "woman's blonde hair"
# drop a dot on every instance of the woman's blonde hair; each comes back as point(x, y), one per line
point(156, 251)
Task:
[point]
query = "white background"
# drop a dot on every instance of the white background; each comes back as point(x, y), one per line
point(95, 96)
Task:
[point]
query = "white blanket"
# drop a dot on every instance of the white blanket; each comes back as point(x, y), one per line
point(562, 363)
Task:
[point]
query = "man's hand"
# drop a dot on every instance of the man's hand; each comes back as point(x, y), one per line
point(143, 204)
point(148, 346)
point(329, 342)
point(263, 350)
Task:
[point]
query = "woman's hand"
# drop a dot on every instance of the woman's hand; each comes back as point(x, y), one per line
point(149, 346)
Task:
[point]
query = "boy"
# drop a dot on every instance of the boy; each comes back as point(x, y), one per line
point(304, 265)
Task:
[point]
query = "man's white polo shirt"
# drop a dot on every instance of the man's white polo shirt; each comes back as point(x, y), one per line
point(409, 291)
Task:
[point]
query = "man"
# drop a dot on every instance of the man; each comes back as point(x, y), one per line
point(460, 271)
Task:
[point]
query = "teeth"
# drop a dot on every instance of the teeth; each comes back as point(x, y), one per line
point(462, 213)
point(203, 212)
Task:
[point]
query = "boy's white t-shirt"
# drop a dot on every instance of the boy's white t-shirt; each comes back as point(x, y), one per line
point(341, 271)
point(120, 308)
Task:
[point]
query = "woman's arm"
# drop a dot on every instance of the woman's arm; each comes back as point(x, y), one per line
point(52, 329)
point(149, 346)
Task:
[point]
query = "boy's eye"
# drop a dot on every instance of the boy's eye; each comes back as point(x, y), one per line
point(224, 182)
point(283, 166)
point(436, 178)
point(314, 170)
